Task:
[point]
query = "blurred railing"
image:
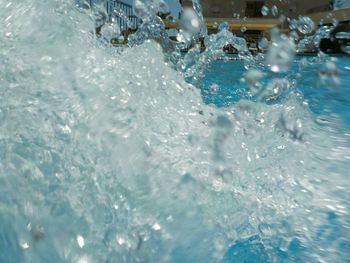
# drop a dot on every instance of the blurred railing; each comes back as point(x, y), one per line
point(124, 15)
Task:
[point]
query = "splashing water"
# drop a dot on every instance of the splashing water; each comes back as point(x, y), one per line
point(265, 10)
point(274, 10)
point(281, 52)
point(306, 25)
point(109, 155)
point(191, 26)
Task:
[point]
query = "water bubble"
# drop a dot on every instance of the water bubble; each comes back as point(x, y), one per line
point(281, 53)
point(80, 241)
point(335, 22)
point(140, 9)
point(284, 244)
point(290, 126)
point(274, 10)
point(329, 15)
point(224, 26)
point(214, 88)
point(252, 78)
point(329, 74)
point(121, 39)
point(266, 229)
point(342, 35)
point(83, 5)
point(190, 21)
point(282, 18)
point(263, 43)
point(294, 35)
point(38, 233)
point(110, 30)
point(83, 259)
point(24, 245)
point(190, 26)
point(305, 25)
point(293, 24)
point(346, 49)
point(220, 245)
point(163, 7)
point(265, 10)
point(156, 227)
point(276, 88)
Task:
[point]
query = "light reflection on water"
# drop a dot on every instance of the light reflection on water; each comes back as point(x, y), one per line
point(108, 155)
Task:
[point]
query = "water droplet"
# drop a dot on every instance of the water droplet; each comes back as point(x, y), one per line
point(140, 9)
point(121, 39)
point(110, 30)
point(163, 7)
point(342, 35)
point(274, 10)
point(224, 26)
point(83, 259)
point(281, 53)
point(282, 18)
point(214, 88)
point(121, 241)
point(38, 233)
point(329, 74)
point(276, 88)
point(346, 49)
point(294, 35)
point(293, 24)
point(263, 43)
point(253, 76)
point(265, 10)
point(335, 22)
point(243, 29)
point(80, 241)
point(190, 21)
point(266, 229)
point(305, 25)
point(219, 244)
point(156, 227)
point(24, 245)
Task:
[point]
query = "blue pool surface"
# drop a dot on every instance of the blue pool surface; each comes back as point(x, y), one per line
point(322, 98)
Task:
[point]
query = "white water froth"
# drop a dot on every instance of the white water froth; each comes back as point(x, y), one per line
point(110, 156)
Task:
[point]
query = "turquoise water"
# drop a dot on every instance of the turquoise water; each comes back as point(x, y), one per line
point(138, 154)
point(322, 98)
point(330, 108)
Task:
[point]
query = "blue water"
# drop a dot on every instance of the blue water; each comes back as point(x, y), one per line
point(328, 102)
point(322, 98)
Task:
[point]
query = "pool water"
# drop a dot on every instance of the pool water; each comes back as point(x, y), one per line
point(322, 98)
point(224, 86)
point(136, 154)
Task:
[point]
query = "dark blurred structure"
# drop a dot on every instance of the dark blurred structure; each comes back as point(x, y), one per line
point(247, 20)
point(252, 8)
point(338, 40)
